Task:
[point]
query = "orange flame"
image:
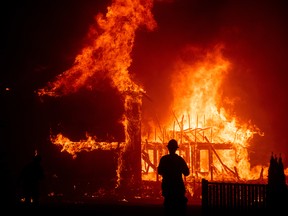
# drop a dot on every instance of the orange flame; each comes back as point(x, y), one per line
point(195, 88)
point(108, 56)
point(196, 85)
point(89, 144)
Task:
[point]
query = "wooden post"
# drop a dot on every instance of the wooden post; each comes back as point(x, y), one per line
point(204, 194)
point(130, 158)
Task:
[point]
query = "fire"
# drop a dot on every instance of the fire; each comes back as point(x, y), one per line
point(196, 89)
point(197, 116)
point(196, 113)
point(89, 144)
point(108, 55)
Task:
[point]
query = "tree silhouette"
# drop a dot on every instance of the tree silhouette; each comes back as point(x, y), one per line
point(277, 188)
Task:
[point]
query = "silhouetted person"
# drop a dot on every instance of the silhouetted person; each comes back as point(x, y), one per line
point(30, 178)
point(172, 167)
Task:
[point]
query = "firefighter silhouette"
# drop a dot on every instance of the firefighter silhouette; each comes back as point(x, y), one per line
point(172, 167)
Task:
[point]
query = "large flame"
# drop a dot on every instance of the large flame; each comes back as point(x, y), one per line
point(196, 84)
point(108, 55)
point(198, 77)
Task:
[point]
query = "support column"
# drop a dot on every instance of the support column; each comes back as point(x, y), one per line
point(131, 171)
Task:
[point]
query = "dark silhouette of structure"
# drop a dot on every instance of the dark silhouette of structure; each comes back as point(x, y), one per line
point(30, 179)
point(8, 193)
point(172, 167)
point(277, 192)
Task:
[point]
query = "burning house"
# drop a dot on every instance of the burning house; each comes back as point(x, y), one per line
point(213, 142)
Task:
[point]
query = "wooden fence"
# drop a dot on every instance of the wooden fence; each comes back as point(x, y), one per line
point(222, 195)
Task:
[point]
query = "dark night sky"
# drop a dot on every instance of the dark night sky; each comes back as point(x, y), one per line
point(40, 39)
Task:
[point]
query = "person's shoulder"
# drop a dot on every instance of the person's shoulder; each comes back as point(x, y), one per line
point(180, 157)
point(164, 157)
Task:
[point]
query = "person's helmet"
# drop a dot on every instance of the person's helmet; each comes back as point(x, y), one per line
point(172, 144)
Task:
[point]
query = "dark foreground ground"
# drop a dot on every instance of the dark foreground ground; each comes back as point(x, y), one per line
point(97, 206)
point(99, 209)
point(119, 209)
